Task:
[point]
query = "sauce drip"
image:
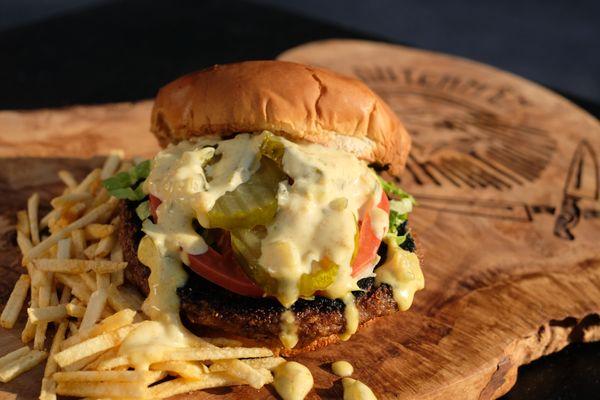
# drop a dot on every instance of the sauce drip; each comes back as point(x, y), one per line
point(342, 368)
point(288, 333)
point(292, 380)
point(356, 390)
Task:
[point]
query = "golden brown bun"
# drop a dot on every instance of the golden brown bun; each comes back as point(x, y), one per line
point(300, 102)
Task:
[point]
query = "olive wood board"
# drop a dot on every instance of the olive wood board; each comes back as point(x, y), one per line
point(508, 223)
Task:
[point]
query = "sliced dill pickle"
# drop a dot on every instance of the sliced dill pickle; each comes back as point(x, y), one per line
point(246, 244)
point(318, 280)
point(252, 203)
point(273, 149)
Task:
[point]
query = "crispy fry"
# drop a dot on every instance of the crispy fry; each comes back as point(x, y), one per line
point(121, 299)
point(185, 369)
point(88, 218)
point(211, 353)
point(182, 385)
point(90, 251)
point(83, 363)
point(49, 219)
point(268, 363)
point(21, 365)
point(92, 346)
point(23, 242)
point(98, 231)
point(69, 199)
point(48, 391)
point(64, 249)
point(59, 337)
point(23, 223)
point(244, 373)
point(75, 310)
point(94, 309)
point(116, 321)
point(15, 302)
point(103, 389)
point(89, 279)
point(47, 314)
point(102, 281)
point(114, 362)
point(13, 355)
point(107, 376)
point(78, 288)
point(73, 330)
point(28, 332)
point(105, 245)
point(88, 181)
point(43, 303)
point(111, 164)
point(33, 204)
point(68, 179)
point(78, 266)
point(79, 243)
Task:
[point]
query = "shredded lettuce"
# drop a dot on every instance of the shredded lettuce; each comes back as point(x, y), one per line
point(393, 190)
point(128, 184)
point(143, 210)
point(400, 207)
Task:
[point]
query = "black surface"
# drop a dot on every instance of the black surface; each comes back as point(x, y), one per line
point(125, 50)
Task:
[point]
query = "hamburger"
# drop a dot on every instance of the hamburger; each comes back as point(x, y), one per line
point(263, 219)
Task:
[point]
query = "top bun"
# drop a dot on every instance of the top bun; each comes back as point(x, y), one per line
point(300, 102)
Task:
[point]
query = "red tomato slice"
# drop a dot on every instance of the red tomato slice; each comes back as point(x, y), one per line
point(221, 269)
point(154, 203)
point(368, 243)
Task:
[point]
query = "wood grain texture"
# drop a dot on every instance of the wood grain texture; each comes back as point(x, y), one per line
point(506, 174)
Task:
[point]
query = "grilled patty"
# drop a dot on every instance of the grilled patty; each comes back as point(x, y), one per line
point(209, 309)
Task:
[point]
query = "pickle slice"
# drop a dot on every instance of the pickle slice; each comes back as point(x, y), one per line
point(273, 149)
point(318, 280)
point(246, 244)
point(252, 203)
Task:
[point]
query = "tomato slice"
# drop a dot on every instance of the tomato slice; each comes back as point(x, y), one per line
point(221, 269)
point(368, 243)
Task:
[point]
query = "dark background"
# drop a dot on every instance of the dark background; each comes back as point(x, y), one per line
point(60, 52)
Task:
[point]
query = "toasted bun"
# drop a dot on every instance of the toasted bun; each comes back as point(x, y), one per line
point(300, 102)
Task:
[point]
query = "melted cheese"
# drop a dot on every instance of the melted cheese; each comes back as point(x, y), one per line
point(316, 216)
point(356, 390)
point(350, 315)
point(165, 329)
point(292, 380)
point(342, 368)
point(288, 330)
point(380, 222)
point(402, 272)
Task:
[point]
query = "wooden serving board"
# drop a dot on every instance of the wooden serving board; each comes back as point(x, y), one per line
point(506, 174)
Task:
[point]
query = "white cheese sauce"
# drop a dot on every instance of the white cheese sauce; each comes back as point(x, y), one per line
point(288, 329)
point(402, 272)
point(342, 368)
point(356, 390)
point(316, 222)
point(292, 380)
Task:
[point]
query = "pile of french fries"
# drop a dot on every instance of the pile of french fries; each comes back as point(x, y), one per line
point(78, 297)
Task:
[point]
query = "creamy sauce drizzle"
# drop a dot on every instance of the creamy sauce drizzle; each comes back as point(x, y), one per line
point(165, 329)
point(342, 368)
point(356, 390)
point(351, 316)
point(292, 380)
point(315, 221)
point(288, 329)
point(316, 216)
point(402, 272)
